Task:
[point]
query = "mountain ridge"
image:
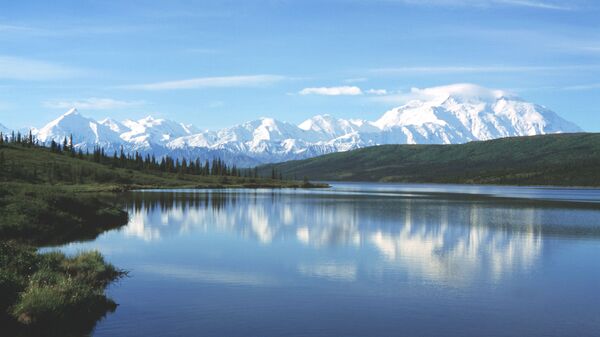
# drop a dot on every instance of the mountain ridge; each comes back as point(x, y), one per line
point(451, 114)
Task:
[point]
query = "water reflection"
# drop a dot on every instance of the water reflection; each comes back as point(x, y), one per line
point(434, 238)
point(454, 243)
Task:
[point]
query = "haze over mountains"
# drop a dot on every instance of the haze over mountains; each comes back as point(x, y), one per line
point(441, 115)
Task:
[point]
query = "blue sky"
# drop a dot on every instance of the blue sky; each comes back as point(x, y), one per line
point(218, 63)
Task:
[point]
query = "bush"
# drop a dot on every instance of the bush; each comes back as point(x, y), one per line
point(66, 299)
point(51, 293)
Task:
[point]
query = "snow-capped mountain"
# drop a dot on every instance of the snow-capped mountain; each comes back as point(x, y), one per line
point(441, 115)
point(148, 132)
point(86, 132)
point(464, 112)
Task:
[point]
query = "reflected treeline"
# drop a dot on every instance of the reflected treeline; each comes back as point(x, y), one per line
point(437, 238)
point(165, 201)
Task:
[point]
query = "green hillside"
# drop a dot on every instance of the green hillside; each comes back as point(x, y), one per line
point(561, 159)
point(38, 165)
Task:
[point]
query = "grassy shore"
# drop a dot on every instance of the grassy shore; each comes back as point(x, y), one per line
point(50, 294)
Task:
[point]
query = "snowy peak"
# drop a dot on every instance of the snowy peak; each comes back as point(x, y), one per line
point(271, 129)
point(72, 111)
point(114, 125)
point(4, 129)
point(148, 131)
point(86, 132)
point(256, 131)
point(327, 127)
point(464, 112)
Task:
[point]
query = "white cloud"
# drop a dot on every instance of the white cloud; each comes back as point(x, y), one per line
point(342, 91)
point(16, 68)
point(92, 103)
point(332, 91)
point(210, 82)
point(377, 92)
point(462, 90)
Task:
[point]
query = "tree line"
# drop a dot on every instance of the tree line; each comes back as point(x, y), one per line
point(135, 160)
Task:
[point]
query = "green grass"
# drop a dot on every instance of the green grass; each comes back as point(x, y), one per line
point(49, 215)
point(52, 294)
point(561, 160)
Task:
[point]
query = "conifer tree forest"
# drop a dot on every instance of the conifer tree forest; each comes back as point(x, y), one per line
point(213, 166)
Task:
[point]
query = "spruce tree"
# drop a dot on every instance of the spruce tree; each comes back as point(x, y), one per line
point(71, 147)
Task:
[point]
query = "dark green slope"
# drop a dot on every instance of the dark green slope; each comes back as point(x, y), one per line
point(40, 166)
point(562, 160)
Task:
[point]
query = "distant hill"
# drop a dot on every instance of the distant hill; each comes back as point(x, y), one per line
point(560, 159)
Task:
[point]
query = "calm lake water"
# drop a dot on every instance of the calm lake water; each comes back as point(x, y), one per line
point(357, 260)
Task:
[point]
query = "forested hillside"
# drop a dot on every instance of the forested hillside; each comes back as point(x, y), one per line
point(23, 161)
point(561, 160)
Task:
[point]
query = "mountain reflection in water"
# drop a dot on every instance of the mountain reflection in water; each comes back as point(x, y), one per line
point(441, 240)
point(356, 260)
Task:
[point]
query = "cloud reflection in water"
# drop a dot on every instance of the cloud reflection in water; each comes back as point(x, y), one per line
point(440, 240)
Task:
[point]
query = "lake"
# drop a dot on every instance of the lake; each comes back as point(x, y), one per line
point(356, 260)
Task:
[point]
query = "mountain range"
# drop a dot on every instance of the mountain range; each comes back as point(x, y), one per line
point(451, 114)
